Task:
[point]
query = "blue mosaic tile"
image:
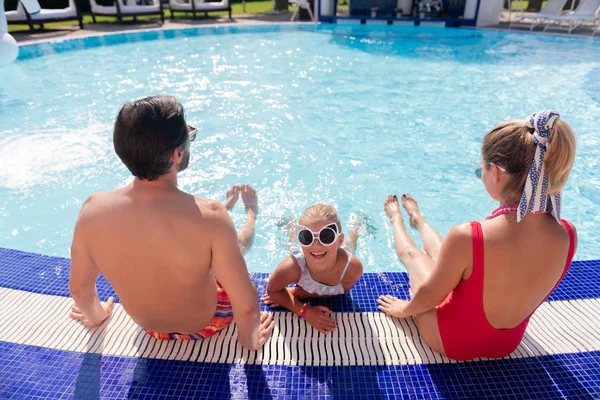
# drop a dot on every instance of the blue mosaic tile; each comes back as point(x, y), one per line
point(50, 275)
point(34, 373)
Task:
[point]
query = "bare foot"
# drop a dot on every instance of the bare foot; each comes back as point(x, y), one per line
point(249, 198)
point(233, 195)
point(355, 226)
point(246, 233)
point(290, 226)
point(392, 208)
point(411, 207)
point(353, 235)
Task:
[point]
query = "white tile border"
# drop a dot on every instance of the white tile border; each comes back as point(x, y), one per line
point(370, 338)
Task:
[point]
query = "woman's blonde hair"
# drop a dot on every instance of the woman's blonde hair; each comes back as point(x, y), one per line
point(511, 146)
point(323, 211)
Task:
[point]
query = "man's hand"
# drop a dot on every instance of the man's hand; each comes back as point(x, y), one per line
point(317, 318)
point(95, 320)
point(393, 306)
point(264, 330)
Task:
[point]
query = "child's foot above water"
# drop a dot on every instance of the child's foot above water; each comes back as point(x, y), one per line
point(289, 225)
point(233, 194)
point(355, 226)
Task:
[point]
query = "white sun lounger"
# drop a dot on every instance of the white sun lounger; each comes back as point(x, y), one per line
point(22, 16)
point(196, 6)
point(587, 11)
point(301, 4)
point(531, 20)
point(119, 9)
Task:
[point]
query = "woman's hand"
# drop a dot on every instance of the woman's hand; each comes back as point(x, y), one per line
point(393, 306)
point(317, 318)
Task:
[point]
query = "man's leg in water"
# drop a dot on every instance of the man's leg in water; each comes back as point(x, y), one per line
point(246, 233)
point(432, 241)
point(233, 194)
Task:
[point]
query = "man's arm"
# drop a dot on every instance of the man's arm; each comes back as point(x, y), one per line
point(83, 276)
point(229, 267)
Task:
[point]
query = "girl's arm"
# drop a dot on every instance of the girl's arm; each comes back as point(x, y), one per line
point(353, 274)
point(287, 272)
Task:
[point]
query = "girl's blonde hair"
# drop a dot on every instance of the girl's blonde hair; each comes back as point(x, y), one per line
point(321, 211)
point(511, 146)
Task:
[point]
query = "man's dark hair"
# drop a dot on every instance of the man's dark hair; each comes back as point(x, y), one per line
point(146, 133)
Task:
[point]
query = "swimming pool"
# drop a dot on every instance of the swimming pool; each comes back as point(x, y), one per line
point(336, 114)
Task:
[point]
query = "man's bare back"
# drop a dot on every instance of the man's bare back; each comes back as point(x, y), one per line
point(161, 249)
point(154, 246)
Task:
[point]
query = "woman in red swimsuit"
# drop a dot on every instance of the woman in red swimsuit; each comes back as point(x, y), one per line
point(474, 291)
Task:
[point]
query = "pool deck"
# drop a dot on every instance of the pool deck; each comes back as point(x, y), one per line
point(73, 31)
point(44, 354)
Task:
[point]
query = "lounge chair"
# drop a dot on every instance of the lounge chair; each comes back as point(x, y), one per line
point(22, 16)
point(120, 10)
point(301, 4)
point(531, 20)
point(587, 11)
point(195, 6)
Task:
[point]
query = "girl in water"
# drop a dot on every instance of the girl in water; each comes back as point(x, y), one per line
point(320, 268)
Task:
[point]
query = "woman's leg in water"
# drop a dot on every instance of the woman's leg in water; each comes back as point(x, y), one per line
point(419, 266)
point(432, 241)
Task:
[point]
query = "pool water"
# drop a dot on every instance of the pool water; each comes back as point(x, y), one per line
point(338, 114)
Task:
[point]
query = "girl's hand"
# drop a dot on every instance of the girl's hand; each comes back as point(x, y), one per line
point(317, 318)
point(269, 301)
point(393, 306)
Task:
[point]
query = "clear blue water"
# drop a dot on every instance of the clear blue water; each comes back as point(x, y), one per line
point(342, 115)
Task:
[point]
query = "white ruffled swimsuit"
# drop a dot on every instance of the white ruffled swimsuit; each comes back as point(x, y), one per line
point(306, 281)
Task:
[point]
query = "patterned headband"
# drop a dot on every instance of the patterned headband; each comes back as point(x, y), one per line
point(535, 198)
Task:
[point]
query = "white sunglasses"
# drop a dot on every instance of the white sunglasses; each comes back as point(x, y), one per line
point(327, 235)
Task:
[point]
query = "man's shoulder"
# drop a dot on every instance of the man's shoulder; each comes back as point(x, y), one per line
point(97, 208)
point(210, 207)
point(213, 212)
point(99, 203)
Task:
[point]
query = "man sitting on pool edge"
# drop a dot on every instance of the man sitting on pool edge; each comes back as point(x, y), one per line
point(161, 248)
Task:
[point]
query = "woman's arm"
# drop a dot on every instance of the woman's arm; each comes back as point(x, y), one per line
point(455, 259)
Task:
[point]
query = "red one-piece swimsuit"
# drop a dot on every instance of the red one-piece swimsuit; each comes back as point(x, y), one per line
point(464, 328)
